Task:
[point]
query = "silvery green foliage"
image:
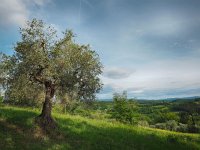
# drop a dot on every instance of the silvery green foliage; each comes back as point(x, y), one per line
point(42, 58)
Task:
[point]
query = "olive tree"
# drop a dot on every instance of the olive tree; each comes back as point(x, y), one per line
point(24, 93)
point(57, 65)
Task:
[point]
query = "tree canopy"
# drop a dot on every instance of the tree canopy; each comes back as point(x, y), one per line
point(56, 65)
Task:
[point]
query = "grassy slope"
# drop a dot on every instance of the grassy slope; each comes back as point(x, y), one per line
point(18, 132)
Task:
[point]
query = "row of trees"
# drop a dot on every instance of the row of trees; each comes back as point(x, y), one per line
point(44, 66)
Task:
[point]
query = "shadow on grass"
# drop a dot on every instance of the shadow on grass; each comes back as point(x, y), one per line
point(18, 132)
point(19, 117)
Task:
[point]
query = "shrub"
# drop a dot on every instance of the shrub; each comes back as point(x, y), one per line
point(71, 106)
point(160, 126)
point(182, 127)
point(171, 125)
point(143, 123)
point(152, 126)
point(123, 110)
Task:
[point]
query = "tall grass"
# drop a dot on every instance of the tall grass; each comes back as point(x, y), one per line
point(17, 131)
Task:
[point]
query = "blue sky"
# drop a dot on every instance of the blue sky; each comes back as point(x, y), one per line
point(150, 48)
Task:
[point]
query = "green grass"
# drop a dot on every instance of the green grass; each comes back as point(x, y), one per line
point(17, 131)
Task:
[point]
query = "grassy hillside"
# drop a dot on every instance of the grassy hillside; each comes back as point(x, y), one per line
point(17, 131)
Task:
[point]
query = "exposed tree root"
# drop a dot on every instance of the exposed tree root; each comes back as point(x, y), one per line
point(46, 123)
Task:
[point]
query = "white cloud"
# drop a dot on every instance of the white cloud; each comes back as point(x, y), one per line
point(136, 92)
point(16, 12)
point(13, 12)
point(163, 76)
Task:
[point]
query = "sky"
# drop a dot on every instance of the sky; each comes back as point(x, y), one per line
point(149, 48)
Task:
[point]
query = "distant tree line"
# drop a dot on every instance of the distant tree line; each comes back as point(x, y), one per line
point(181, 116)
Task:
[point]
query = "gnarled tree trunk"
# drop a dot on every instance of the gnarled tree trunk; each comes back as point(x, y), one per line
point(45, 119)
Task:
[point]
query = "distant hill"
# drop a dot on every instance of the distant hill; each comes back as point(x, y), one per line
point(167, 99)
point(183, 98)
